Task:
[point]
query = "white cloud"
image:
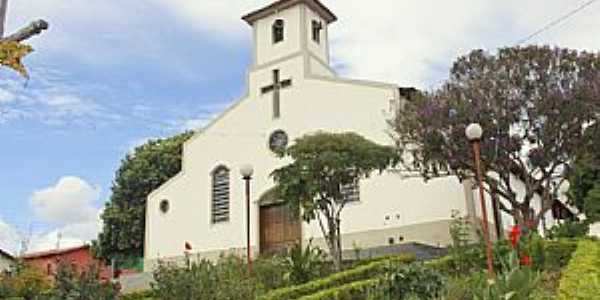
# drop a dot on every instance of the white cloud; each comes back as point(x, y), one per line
point(69, 207)
point(413, 42)
point(70, 201)
point(9, 238)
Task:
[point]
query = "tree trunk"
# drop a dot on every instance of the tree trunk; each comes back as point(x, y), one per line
point(332, 236)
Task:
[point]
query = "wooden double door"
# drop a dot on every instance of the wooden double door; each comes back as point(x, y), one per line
point(280, 228)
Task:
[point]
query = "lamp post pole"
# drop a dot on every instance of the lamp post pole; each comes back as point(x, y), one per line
point(474, 133)
point(246, 172)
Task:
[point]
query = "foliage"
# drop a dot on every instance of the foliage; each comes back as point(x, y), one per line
point(69, 284)
point(25, 282)
point(513, 282)
point(534, 104)
point(557, 254)
point(141, 172)
point(145, 295)
point(358, 290)
point(569, 229)
point(270, 272)
point(225, 280)
point(304, 263)
point(414, 280)
point(323, 163)
point(11, 54)
point(362, 272)
point(584, 182)
point(581, 278)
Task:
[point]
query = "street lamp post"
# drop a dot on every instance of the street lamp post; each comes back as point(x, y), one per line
point(246, 171)
point(474, 132)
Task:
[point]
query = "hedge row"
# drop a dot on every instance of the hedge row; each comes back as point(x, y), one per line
point(358, 290)
point(581, 278)
point(359, 273)
point(144, 295)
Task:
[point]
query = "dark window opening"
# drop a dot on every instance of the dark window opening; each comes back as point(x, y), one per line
point(316, 31)
point(278, 31)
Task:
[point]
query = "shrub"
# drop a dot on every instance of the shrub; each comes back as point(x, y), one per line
point(71, 285)
point(569, 229)
point(558, 253)
point(358, 290)
point(338, 279)
point(512, 282)
point(225, 280)
point(24, 282)
point(304, 264)
point(270, 272)
point(581, 278)
point(414, 280)
point(145, 295)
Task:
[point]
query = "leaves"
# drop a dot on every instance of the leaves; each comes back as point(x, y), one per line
point(11, 54)
point(535, 104)
point(140, 173)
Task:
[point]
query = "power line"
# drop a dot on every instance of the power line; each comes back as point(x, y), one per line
point(556, 22)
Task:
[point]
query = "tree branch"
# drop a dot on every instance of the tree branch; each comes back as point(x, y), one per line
point(34, 28)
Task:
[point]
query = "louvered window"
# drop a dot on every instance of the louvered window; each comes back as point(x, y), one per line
point(220, 195)
point(351, 192)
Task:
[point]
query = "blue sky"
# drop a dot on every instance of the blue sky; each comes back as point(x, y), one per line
point(109, 74)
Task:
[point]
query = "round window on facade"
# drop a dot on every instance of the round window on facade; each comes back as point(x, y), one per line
point(278, 141)
point(164, 206)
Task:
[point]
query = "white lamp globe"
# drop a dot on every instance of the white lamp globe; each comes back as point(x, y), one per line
point(246, 171)
point(474, 132)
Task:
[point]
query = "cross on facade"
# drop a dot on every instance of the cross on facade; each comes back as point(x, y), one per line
point(276, 88)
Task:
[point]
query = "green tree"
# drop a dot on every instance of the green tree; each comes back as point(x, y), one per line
point(535, 105)
point(584, 182)
point(322, 164)
point(141, 172)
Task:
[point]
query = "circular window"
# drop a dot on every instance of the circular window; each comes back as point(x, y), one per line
point(278, 141)
point(164, 206)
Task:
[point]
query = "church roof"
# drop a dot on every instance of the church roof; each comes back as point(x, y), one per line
point(316, 5)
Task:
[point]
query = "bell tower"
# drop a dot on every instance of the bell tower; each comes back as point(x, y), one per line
point(289, 27)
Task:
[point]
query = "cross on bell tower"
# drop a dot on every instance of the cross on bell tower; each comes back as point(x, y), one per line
point(275, 88)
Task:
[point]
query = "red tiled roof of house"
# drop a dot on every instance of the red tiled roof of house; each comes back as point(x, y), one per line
point(53, 252)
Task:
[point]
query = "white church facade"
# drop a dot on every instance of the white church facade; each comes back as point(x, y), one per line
point(292, 91)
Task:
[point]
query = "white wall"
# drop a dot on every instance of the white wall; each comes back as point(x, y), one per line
point(317, 101)
point(5, 263)
point(266, 50)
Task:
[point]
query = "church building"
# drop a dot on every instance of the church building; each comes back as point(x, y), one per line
point(292, 91)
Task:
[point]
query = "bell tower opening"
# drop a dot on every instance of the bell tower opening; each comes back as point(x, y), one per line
point(288, 27)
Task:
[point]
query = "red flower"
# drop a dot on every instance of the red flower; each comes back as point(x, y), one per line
point(515, 234)
point(526, 261)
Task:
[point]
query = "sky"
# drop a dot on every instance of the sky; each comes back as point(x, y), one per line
point(111, 74)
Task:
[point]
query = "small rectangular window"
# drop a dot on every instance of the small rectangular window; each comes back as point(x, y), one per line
point(316, 31)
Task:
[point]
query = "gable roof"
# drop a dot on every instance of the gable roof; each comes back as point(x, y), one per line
point(6, 254)
point(315, 5)
point(54, 252)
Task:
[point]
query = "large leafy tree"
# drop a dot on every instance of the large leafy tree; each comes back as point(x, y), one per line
point(141, 172)
point(535, 105)
point(322, 164)
point(584, 182)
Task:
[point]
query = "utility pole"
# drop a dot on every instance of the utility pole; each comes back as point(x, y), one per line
point(3, 8)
